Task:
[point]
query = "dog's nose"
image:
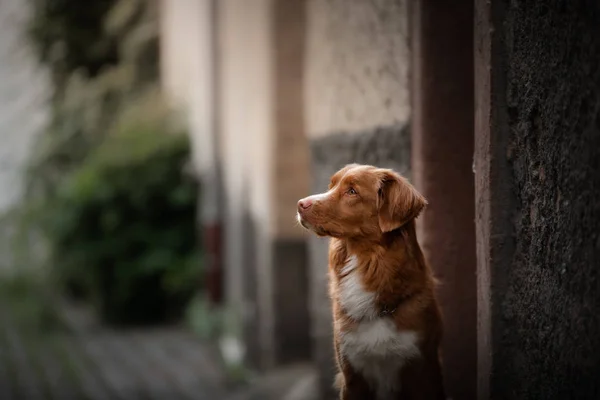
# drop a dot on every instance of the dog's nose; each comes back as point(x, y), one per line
point(304, 204)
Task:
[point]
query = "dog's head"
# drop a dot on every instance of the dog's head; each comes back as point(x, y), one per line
point(362, 201)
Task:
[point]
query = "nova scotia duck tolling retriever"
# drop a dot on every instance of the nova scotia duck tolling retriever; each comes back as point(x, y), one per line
point(386, 320)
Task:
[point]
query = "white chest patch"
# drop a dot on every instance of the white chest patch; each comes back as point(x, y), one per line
point(354, 299)
point(375, 347)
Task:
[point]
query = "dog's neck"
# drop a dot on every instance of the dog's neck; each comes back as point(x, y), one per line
point(403, 239)
point(394, 260)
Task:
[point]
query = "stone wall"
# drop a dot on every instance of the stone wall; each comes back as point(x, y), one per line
point(538, 174)
point(357, 108)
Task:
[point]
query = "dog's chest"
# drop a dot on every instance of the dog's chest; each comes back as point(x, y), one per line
point(374, 346)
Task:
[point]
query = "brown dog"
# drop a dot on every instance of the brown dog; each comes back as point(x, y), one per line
point(387, 324)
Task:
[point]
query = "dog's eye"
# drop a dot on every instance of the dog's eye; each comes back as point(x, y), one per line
point(351, 191)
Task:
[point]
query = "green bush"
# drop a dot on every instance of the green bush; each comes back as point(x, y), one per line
point(123, 225)
point(105, 186)
point(81, 118)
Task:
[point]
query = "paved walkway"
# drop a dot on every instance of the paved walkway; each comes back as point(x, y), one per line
point(94, 363)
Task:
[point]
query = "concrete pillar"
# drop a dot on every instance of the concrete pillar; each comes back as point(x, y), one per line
point(290, 183)
point(188, 78)
point(245, 132)
point(537, 201)
point(493, 203)
point(442, 156)
point(265, 165)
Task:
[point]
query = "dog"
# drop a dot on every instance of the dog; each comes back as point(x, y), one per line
point(386, 320)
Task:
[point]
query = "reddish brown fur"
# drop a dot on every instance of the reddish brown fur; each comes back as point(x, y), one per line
point(369, 212)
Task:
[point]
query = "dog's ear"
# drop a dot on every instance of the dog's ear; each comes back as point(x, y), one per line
point(399, 201)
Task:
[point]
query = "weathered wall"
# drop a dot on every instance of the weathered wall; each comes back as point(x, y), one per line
point(24, 111)
point(187, 45)
point(290, 182)
point(265, 157)
point(357, 69)
point(187, 75)
point(357, 110)
point(291, 177)
point(538, 174)
point(245, 132)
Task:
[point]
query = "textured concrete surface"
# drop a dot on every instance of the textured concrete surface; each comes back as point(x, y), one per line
point(291, 178)
point(385, 147)
point(540, 326)
point(356, 65)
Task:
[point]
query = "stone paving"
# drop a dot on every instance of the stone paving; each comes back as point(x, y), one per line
point(90, 362)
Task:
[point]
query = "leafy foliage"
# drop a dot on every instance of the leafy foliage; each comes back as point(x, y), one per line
point(105, 185)
point(124, 221)
point(69, 36)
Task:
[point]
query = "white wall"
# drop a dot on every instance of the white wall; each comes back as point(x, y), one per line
point(187, 75)
point(24, 112)
point(246, 134)
point(24, 90)
point(356, 65)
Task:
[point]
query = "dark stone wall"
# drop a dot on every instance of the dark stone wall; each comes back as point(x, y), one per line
point(545, 111)
point(387, 147)
point(292, 322)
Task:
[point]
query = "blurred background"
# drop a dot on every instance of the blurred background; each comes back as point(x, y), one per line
point(153, 152)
